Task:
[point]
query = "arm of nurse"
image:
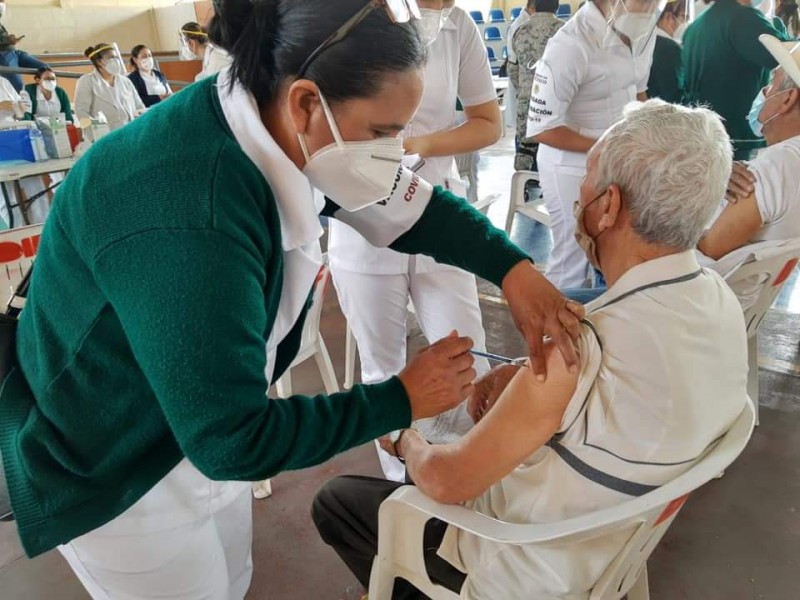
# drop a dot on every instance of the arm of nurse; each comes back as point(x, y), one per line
point(527, 414)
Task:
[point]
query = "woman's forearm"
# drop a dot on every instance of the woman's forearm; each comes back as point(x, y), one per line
point(483, 127)
point(565, 138)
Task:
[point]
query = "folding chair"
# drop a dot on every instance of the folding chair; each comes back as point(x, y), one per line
point(535, 209)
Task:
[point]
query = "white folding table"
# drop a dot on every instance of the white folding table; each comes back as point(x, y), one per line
point(13, 172)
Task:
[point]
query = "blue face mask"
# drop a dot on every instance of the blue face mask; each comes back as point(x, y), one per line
point(755, 111)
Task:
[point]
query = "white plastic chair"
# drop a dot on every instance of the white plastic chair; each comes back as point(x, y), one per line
point(311, 346)
point(534, 209)
point(773, 272)
point(403, 515)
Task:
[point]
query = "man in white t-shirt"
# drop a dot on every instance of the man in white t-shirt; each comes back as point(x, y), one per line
point(663, 374)
point(769, 209)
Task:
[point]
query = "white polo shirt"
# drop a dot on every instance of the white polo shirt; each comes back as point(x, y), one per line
point(585, 78)
point(663, 375)
point(457, 69)
point(777, 190)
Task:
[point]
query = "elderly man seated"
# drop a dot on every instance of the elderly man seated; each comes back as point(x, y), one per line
point(765, 203)
point(663, 374)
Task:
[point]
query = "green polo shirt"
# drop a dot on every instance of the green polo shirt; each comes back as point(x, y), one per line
point(724, 66)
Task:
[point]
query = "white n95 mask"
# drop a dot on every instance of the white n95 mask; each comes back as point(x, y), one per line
point(353, 174)
point(431, 23)
point(635, 25)
point(114, 67)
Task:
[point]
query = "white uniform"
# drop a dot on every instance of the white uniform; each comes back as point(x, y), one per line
point(44, 107)
point(120, 103)
point(214, 60)
point(189, 537)
point(583, 81)
point(663, 375)
point(374, 285)
point(9, 94)
point(777, 190)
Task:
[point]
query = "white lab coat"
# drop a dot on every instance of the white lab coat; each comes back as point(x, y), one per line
point(583, 82)
point(214, 60)
point(375, 285)
point(9, 94)
point(44, 107)
point(120, 103)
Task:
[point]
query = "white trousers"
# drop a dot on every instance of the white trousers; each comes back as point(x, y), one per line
point(567, 266)
point(207, 559)
point(376, 308)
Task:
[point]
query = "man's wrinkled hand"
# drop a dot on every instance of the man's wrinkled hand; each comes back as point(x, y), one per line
point(487, 390)
point(741, 183)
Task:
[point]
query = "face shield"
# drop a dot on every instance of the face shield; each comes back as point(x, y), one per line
point(632, 23)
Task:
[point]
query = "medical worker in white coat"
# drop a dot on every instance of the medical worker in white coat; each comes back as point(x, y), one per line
point(107, 90)
point(374, 285)
point(595, 65)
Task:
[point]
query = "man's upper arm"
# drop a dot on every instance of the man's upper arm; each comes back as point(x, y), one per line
point(735, 227)
point(527, 414)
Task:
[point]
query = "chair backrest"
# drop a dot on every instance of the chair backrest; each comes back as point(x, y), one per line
point(770, 274)
point(18, 248)
point(564, 10)
point(496, 15)
point(516, 12)
point(657, 510)
point(477, 16)
point(492, 34)
point(490, 54)
point(311, 326)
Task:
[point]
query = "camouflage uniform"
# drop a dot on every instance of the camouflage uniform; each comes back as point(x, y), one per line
point(529, 43)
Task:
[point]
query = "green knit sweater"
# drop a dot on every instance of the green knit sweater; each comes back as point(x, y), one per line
point(157, 283)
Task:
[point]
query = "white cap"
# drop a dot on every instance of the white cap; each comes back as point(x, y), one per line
point(786, 53)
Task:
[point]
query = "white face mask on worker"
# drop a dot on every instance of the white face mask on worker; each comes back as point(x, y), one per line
point(353, 174)
point(431, 23)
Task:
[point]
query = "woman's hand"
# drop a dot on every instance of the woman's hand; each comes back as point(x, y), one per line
point(741, 183)
point(487, 390)
point(439, 377)
point(539, 309)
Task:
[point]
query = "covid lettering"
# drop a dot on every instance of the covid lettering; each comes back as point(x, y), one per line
point(26, 248)
point(412, 189)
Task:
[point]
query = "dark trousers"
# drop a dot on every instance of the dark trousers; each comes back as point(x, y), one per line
point(345, 512)
point(18, 58)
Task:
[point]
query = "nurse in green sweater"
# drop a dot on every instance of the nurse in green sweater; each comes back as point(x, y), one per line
point(724, 65)
point(183, 244)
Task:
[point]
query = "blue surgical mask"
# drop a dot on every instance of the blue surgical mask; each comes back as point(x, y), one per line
point(755, 112)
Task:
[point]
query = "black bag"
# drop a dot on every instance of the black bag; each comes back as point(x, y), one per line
point(8, 360)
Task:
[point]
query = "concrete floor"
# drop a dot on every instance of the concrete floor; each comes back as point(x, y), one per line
point(738, 538)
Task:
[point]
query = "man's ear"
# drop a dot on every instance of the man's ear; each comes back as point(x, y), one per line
point(302, 101)
point(791, 101)
point(611, 205)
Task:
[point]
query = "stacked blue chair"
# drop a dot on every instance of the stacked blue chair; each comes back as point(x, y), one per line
point(492, 60)
point(564, 11)
point(492, 34)
point(477, 16)
point(496, 15)
point(516, 12)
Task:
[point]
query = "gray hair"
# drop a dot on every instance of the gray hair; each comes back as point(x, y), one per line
point(788, 83)
point(672, 164)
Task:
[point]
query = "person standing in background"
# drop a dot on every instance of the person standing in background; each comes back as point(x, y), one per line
point(150, 83)
point(665, 72)
point(512, 64)
point(529, 45)
point(591, 68)
point(374, 285)
point(195, 45)
point(10, 56)
point(45, 97)
point(724, 66)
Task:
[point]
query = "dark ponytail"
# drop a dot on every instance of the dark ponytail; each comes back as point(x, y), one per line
point(269, 41)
